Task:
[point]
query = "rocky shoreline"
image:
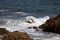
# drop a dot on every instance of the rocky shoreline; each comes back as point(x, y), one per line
point(6, 35)
point(51, 25)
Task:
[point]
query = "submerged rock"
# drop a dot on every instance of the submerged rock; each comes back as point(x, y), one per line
point(52, 25)
point(34, 27)
point(30, 19)
point(16, 36)
point(29, 27)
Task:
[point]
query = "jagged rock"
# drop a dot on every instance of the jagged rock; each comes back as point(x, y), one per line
point(3, 31)
point(16, 36)
point(52, 25)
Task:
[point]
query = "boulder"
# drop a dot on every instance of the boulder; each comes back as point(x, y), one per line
point(16, 36)
point(52, 25)
point(3, 31)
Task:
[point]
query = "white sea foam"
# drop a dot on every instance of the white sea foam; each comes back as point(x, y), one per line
point(36, 21)
point(22, 25)
point(3, 10)
point(21, 13)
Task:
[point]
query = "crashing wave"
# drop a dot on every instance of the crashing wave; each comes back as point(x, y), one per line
point(30, 19)
point(36, 21)
point(3, 21)
point(13, 25)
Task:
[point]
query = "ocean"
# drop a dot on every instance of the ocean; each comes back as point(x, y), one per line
point(14, 15)
point(36, 8)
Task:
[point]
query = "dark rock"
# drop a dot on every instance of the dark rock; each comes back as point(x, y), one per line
point(34, 27)
point(29, 22)
point(52, 25)
point(16, 36)
point(3, 31)
point(30, 27)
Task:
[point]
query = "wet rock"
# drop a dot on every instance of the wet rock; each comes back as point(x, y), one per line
point(34, 27)
point(29, 22)
point(3, 31)
point(52, 25)
point(30, 19)
point(30, 27)
point(16, 36)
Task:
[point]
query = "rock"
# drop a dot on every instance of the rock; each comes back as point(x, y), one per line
point(52, 25)
point(28, 22)
point(31, 19)
point(30, 27)
point(3, 31)
point(16, 36)
point(34, 27)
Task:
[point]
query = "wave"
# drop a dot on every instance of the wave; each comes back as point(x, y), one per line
point(22, 25)
point(12, 24)
point(3, 21)
point(36, 21)
point(3, 10)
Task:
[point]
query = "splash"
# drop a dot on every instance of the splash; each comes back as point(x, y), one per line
point(13, 25)
point(21, 25)
point(36, 21)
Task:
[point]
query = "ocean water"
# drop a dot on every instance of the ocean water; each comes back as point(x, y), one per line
point(22, 25)
point(36, 8)
point(14, 15)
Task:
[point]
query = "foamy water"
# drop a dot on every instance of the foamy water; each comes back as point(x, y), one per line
point(22, 25)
